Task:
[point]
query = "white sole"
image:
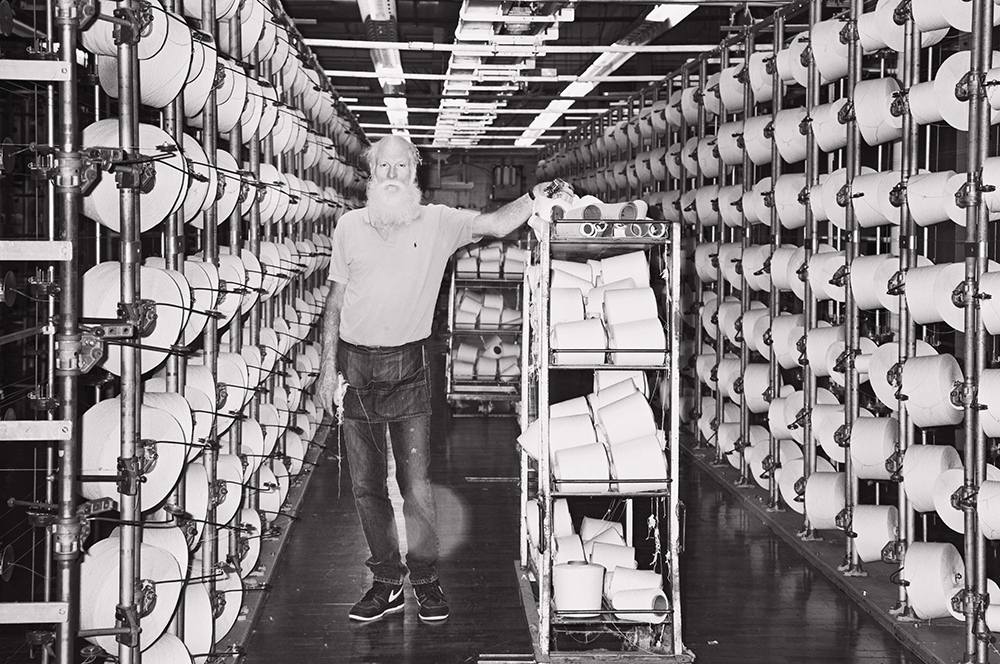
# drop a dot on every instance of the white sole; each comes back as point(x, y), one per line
point(396, 609)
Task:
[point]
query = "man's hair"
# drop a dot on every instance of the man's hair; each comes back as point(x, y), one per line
point(374, 151)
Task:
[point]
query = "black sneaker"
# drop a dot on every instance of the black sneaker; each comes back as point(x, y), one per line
point(433, 605)
point(380, 599)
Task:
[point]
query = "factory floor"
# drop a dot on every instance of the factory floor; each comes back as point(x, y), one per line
point(748, 596)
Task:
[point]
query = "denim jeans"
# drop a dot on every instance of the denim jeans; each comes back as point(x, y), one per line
point(388, 403)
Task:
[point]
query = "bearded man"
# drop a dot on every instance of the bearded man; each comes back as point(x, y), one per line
point(386, 269)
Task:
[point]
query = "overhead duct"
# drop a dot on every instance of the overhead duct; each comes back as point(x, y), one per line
point(381, 25)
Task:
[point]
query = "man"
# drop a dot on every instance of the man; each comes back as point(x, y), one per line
point(386, 269)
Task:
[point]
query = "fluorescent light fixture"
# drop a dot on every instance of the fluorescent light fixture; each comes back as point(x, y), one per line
point(398, 114)
point(349, 100)
point(605, 64)
point(667, 11)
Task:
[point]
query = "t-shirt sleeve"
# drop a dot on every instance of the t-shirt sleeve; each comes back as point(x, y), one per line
point(339, 258)
point(457, 226)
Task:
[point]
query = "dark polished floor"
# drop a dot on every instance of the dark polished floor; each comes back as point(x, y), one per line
point(748, 597)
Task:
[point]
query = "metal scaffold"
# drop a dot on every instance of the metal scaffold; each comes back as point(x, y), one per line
point(163, 286)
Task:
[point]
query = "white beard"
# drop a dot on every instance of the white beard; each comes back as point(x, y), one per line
point(392, 204)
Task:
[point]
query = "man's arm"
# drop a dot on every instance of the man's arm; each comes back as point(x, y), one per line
point(508, 218)
point(327, 381)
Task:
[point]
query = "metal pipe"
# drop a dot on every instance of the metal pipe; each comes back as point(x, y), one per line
point(909, 149)
point(813, 90)
point(976, 237)
point(253, 246)
point(67, 196)
point(774, 497)
point(748, 179)
point(131, 370)
point(210, 339)
point(852, 564)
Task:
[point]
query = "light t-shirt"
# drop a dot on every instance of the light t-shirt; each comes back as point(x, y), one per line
point(392, 285)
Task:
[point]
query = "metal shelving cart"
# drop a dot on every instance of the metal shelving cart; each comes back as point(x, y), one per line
point(467, 388)
point(561, 635)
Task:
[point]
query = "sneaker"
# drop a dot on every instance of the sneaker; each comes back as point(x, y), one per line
point(433, 605)
point(380, 599)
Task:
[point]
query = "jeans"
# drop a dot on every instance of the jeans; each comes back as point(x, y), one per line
point(388, 403)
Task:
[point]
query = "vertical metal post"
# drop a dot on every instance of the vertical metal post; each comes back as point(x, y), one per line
point(852, 564)
point(252, 498)
point(748, 177)
point(909, 147)
point(774, 496)
point(67, 195)
point(130, 251)
point(810, 245)
point(210, 338)
point(976, 236)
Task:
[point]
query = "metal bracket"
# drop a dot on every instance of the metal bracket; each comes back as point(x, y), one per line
point(900, 104)
point(767, 337)
point(769, 130)
point(127, 617)
point(894, 466)
point(963, 294)
point(802, 272)
point(131, 24)
point(86, 12)
point(806, 56)
point(738, 385)
point(842, 436)
point(902, 13)
point(129, 476)
point(800, 418)
point(963, 87)
point(967, 195)
point(846, 113)
point(896, 284)
point(844, 195)
point(845, 521)
point(42, 401)
point(768, 394)
point(849, 32)
point(893, 553)
point(770, 466)
point(800, 490)
point(739, 445)
point(840, 277)
point(964, 497)
point(88, 352)
point(141, 315)
point(765, 268)
point(217, 492)
point(218, 603)
point(804, 126)
point(963, 395)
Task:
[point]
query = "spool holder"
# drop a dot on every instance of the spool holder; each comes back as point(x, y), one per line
point(845, 521)
point(893, 552)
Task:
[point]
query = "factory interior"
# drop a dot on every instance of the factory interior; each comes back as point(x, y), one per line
point(730, 394)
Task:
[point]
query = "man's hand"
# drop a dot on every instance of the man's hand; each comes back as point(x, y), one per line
point(328, 388)
point(554, 189)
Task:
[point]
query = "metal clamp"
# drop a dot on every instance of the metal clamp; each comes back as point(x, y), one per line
point(840, 277)
point(894, 466)
point(800, 490)
point(738, 385)
point(849, 32)
point(800, 418)
point(845, 194)
point(765, 268)
point(217, 492)
point(964, 395)
point(767, 339)
point(900, 104)
point(129, 475)
point(842, 436)
point(804, 126)
point(845, 521)
point(963, 87)
point(769, 130)
point(770, 466)
point(127, 617)
point(846, 113)
point(964, 497)
point(902, 13)
point(141, 315)
point(131, 24)
point(963, 294)
point(893, 553)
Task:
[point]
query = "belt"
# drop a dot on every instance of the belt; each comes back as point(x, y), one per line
point(382, 349)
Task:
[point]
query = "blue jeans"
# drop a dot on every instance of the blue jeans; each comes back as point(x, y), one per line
point(388, 402)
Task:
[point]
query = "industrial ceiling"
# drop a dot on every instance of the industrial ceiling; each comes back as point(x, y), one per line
point(478, 74)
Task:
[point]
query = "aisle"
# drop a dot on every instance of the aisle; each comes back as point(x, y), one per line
point(747, 596)
point(322, 573)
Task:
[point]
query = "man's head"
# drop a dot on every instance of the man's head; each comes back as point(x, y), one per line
point(393, 195)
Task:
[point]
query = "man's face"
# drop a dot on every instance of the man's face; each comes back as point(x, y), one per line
point(394, 166)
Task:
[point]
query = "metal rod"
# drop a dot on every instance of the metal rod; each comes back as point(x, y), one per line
point(852, 564)
point(67, 195)
point(976, 236)
point(774, 496)
point(130, 257)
